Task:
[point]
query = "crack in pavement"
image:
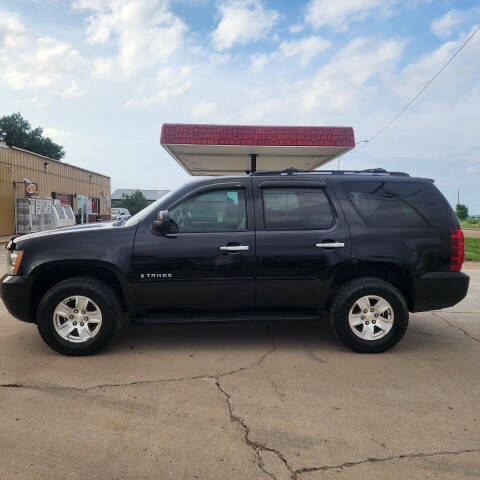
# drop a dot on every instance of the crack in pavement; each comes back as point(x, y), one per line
point(301, 471)
point(294, 474)
point(275, 387)
point(471, 337)
point(146, 382)
point(256, 446)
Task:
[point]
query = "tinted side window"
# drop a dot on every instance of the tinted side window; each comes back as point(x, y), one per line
point(399, 204)
point(296, 209)
point(215, 211)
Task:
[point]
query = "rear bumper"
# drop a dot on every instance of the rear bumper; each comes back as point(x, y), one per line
point(440, 290)
point(16, 294)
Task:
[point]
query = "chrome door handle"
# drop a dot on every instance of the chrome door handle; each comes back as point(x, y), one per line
point(234, 248)
point(330, 245)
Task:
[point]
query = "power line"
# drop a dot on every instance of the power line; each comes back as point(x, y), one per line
point(419, 93)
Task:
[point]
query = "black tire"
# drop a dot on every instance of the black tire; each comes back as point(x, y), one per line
point(98, 291)
point(345, 298)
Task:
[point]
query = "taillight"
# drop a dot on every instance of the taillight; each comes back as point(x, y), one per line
point(457, 255)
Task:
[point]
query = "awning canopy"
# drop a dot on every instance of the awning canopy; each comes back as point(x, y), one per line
point(231, 149)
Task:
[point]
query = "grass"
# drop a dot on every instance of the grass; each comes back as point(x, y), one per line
point(472, 249)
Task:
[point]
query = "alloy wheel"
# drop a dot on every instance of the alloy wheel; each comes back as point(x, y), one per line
point(371, 317)
point(77, 319)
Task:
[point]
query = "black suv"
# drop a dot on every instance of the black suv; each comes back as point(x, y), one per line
point(363, 248)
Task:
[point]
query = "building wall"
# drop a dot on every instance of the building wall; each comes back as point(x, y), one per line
point(17, 164)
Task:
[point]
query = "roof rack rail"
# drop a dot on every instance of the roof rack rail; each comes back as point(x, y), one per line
point(294, 171)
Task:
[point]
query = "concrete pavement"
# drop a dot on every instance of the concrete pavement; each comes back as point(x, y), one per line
point(246, 401)
point(472, 233)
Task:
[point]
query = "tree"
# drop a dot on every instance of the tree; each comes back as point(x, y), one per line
point(134, 202)
point(462, 211)
point(15, 131)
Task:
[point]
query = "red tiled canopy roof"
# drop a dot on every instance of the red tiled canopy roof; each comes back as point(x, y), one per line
point(223, 149)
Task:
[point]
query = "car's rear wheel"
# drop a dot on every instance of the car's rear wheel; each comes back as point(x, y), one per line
point(369, 315)
point(79, 316)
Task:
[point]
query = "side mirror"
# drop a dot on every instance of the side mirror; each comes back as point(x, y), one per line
point(162, 223)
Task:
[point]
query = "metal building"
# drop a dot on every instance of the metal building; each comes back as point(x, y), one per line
point(87, 192)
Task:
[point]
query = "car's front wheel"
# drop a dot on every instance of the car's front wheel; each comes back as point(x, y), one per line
point(79, 316)
point(369, 315)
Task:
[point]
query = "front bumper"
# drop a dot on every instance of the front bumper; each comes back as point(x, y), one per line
point(16, 293)
point(440, 290)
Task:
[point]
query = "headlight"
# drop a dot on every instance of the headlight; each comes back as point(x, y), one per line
point(14, 258)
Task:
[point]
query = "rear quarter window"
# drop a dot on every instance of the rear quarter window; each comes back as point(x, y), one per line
point(399, 204)
point(294, 208)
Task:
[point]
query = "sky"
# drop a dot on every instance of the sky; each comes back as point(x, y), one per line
point(102, 76)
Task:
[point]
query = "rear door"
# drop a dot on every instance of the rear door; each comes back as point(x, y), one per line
point(301, 240)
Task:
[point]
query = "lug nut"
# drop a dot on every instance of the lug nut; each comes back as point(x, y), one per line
point(365, 311)
point(367, 322)
point(71, 316)
point(376, 315)
point(86, 318)
point(83, 312)
point(374, 322)
point(75, 311)
point(81, 323)
point(371, 309)
point(363, 318)
point(74, 323)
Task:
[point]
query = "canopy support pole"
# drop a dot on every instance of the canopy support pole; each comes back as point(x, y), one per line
point(253, 162)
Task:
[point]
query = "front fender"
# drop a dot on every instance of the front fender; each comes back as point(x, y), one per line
point(47, 274)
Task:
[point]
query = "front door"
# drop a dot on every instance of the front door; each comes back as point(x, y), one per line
point(206, 262)
point(302, 239)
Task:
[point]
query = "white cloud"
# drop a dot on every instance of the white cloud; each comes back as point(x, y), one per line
point(242, 21)
point(296, 28)
point(258, 110)
point(72, 90)
point(416, 74)
point(103, 67)
point(35, 63)
point(169, 84)
point(305, 49)
point(219, 58)
point(203, 109)
point(12, 32)
point(339, 13)
point(343, 81)
point(258, 61)
point(449, 23)
point(56, 133)
point(146, 32)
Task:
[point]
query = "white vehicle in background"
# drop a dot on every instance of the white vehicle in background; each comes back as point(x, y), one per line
point(120, 214)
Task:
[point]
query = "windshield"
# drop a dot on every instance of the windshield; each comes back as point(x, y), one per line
point(115, 210)
point(147, 210)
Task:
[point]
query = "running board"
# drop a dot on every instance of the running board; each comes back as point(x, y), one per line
point(195, 317)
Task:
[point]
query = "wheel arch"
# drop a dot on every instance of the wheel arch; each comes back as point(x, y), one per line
point(48, 275)
point(398, 276)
